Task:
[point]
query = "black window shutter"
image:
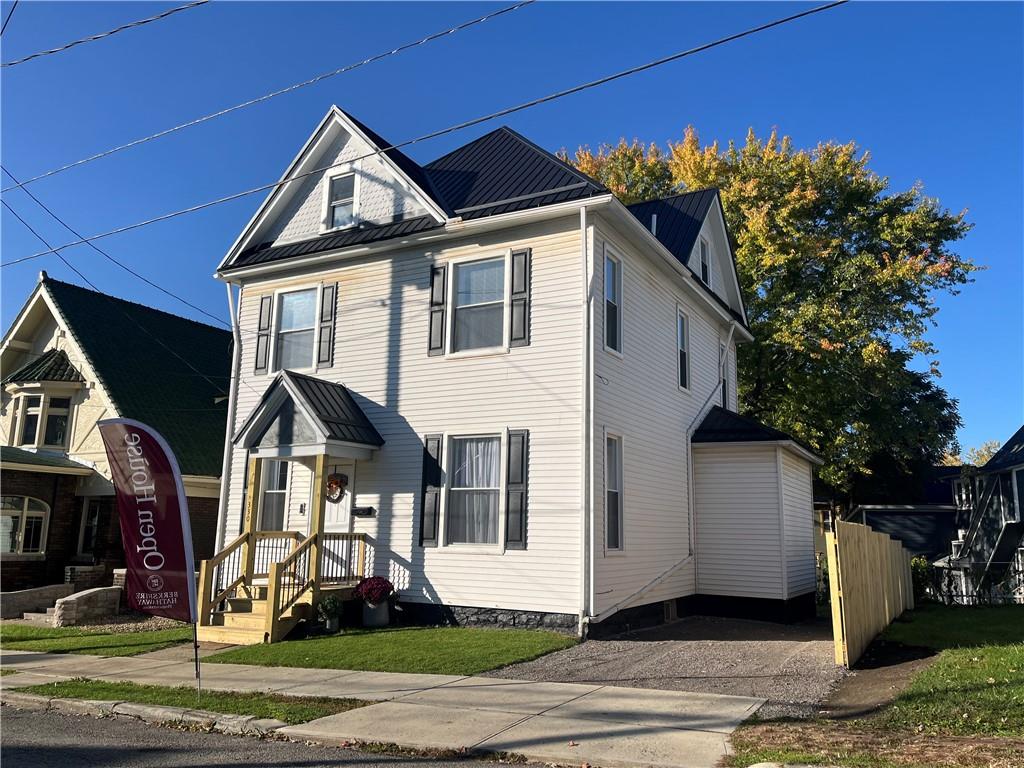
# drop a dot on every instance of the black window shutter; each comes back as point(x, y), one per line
point(438, 296)
point(430, 508)
point(325, 336)
point(519, 308)
point(263, 334)
point(515, 498)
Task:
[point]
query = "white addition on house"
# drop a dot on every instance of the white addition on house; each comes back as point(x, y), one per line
point(491, 382)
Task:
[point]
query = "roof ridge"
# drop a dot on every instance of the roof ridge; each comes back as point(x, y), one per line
point(51, 280)
point(551, 156)
point(716, 190)
point(461, 147)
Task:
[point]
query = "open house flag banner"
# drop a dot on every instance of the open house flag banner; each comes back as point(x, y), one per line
point(154, 519)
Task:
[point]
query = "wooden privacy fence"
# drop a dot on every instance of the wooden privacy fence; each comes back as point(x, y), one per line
point(870, 585)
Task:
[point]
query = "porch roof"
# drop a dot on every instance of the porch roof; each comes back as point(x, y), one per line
point(52, 365)
point(330, 408)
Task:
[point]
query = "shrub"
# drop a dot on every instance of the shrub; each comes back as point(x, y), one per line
point(374, 590)
point(920, 574)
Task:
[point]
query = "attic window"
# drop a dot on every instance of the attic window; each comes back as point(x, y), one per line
point(41, 420)
point(705, 262)
point(341, 201)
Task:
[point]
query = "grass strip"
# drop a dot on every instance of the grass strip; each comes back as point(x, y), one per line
point(288, 709)
point(431, 650)
point(18, 637)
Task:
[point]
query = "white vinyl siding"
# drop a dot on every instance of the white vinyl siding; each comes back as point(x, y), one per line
point(798, 521)
point(382, 328)
point(739, 537)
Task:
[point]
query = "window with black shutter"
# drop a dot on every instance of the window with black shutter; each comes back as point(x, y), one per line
point(519, 309)
point(438, 297)
point(263, 334)
point(430, 507)
point(325, 334)
point(516, 490)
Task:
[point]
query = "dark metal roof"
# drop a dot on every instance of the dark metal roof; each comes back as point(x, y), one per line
point(11, 455)
point(52, 365)
point(163, 370)
point(501, 172)
point(333, 405)
point(1010, 455)
point(266, 252)
point(724, 426)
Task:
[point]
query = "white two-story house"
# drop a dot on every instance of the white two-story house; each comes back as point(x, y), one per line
point(488, 380)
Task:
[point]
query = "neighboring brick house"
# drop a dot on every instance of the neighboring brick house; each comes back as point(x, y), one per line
point(72, 357)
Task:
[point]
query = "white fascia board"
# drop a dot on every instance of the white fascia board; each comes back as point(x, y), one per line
point(21, 317)
point(276, 195)
point(643, 234)
point(790, 445)
point(732, 256)
point(47, 470)
point(454, 228)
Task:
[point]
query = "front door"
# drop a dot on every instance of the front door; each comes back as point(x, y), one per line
point(341, 481)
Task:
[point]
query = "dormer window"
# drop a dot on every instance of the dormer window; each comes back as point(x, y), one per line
point(705, 262)
point(341, 201)
point(42, 421)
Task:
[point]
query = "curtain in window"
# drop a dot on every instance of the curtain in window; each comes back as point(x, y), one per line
point(473, 501)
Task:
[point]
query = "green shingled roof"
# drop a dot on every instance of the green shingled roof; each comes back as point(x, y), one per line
point(52, 365)
point(163, 370)
point(10, 455)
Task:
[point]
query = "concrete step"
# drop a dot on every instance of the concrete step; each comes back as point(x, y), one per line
point(39, 618)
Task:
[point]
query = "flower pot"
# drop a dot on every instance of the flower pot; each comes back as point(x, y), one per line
point(333, 624)
point(376, 615)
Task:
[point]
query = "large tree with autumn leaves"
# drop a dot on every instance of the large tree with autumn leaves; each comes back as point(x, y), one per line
point(840, 275)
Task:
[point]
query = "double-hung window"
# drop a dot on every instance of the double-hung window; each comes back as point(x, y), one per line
point(58, 410)
point(341, 201)
point(275, 493)
point(43, 421)
point(479, 300)
point(30, 419)
point(613, 492)
point(705, 262)
point(22, 525)
point(296, 329)
point(612, 303)
point(474, 490)
point(683, 350)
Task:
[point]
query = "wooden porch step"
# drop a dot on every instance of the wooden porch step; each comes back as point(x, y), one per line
point(258, 619)
point(242, 635)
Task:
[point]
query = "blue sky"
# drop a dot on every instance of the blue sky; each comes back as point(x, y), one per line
point(933, 90)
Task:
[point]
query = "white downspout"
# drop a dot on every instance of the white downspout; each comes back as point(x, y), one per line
point(586, 517)
point(225, 473)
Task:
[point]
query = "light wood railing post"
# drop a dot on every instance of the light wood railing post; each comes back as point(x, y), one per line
point(205, 593)
point(251, 517)
point(316, 524)
point(361, 568)
point(271, 627)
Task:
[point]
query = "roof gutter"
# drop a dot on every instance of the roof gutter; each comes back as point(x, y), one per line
point(792, 445)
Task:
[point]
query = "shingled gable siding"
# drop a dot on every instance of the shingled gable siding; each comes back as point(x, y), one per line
point(798, 514)
point(381, 355)
point(737, 497)
point(637, 396)
point(380, 198)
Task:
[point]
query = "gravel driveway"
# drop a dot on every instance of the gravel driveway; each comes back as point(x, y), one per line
point(790, 665)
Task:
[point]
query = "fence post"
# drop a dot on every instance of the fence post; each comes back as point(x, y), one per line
point(836, 595)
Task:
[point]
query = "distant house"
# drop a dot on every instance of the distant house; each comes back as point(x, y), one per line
point(73, 357)
point(987, 561)
point(490, 381)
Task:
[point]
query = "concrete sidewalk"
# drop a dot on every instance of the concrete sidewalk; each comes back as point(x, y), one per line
point(552, 722)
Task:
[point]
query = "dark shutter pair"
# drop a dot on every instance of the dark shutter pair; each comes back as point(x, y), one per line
point(324, 329)
point(515, 490)
point(519, 304)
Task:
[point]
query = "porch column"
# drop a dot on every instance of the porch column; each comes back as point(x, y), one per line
point(252, 502)
point(316, 522)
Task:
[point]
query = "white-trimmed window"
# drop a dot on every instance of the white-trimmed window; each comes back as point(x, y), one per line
point(342, 211)
point(705, 262)
point(42, 421)
point(613, 491)
point(612, 302)
point(296, 330)
point(88, 531)
point(474, 490)
point(682, 350)
point(23, 523)
point(275, 495)
point(478, 301)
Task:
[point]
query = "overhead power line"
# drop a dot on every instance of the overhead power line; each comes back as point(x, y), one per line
point(8, 19)
point(442, 131)
point(279, 92)
point(101, 35)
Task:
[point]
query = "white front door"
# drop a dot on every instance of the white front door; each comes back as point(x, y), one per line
point(338, 512)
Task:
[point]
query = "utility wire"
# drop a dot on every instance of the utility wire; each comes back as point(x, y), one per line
point(135, 322)
point(8, 19)
point(443, 131)
point(107, 256)
point(279, 92)
point(101, 35)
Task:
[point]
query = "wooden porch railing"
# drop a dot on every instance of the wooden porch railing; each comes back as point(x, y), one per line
point(220, 576)
point(288, 581)
point(272, 547)
point(342, 558)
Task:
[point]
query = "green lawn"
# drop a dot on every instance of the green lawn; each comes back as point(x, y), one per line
point(19, 637)
point(437, 650)
point(965, 709)
point(288, 709)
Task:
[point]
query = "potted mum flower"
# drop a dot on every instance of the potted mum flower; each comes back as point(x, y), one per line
point(375, 592)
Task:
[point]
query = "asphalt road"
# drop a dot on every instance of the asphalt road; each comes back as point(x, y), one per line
point(50, 740)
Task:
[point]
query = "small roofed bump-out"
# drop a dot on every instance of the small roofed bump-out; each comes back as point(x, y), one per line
point(52, 365)
point(724, 426)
